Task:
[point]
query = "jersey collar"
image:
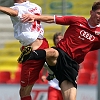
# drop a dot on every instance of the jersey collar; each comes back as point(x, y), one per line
point(92, 26)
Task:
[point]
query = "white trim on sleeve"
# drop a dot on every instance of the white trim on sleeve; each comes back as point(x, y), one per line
point(55, 18)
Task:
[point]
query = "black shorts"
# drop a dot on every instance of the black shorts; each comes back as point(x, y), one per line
point(66, 68)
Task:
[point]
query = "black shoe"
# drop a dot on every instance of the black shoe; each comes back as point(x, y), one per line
point(50, 77)
point(25, 54)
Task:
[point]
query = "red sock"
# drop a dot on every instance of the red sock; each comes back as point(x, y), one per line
point(26, 98)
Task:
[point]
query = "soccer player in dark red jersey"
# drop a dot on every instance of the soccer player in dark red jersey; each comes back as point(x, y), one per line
point(81, 37)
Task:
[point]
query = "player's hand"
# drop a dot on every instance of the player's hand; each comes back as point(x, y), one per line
point(27, 18)
point(43, 78)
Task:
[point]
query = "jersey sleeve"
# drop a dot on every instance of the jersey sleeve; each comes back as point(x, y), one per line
point(65, 20)
point(19, 11)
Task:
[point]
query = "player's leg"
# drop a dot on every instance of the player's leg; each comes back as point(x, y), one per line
point(68, 90)
point(66, 71)
point(25, 82)
point(32, 52)
point(25, 92)
point(29, 74)
point(50, 54)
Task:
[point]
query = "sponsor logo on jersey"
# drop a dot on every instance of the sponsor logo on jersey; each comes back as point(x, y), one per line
point(32, 9)
point(84, 34)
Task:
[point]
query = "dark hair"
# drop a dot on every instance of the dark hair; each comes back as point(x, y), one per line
point(55, 36)
point(96, 5)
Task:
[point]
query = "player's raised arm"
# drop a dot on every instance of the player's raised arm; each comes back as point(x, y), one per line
point(43, 18)
point(8, 11)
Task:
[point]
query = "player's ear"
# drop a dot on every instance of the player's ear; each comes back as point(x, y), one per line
point(91, 12)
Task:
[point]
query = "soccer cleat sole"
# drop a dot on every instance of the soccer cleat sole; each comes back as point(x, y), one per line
point(27, 50)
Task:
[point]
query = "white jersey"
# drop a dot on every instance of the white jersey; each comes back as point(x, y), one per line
point(26, 32)
point(54, 83)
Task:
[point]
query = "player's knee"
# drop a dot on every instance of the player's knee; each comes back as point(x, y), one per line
point(51, 53)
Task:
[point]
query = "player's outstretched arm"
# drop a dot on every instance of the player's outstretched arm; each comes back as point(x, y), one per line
point(43, 18)
point(8, 11)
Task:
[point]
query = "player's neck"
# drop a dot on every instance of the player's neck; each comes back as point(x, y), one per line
point(90, 22)
point(19, 1)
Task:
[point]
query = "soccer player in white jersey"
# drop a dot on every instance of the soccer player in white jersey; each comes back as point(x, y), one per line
point(81, 37)
point(28, 34)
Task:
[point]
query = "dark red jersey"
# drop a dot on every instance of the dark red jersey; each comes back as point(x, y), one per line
point(79, 38)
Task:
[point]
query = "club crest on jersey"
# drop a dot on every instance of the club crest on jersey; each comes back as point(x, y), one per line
point(97, 33)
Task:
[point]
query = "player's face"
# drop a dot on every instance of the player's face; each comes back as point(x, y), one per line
point(95, 15)
point(58, 38)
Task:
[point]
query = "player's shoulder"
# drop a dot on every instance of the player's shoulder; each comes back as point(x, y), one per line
point(79, 18)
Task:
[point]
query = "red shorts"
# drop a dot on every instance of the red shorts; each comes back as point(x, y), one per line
point(31, 68)
point(54, 94)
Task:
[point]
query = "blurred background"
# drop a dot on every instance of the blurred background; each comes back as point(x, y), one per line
point(10, 51)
